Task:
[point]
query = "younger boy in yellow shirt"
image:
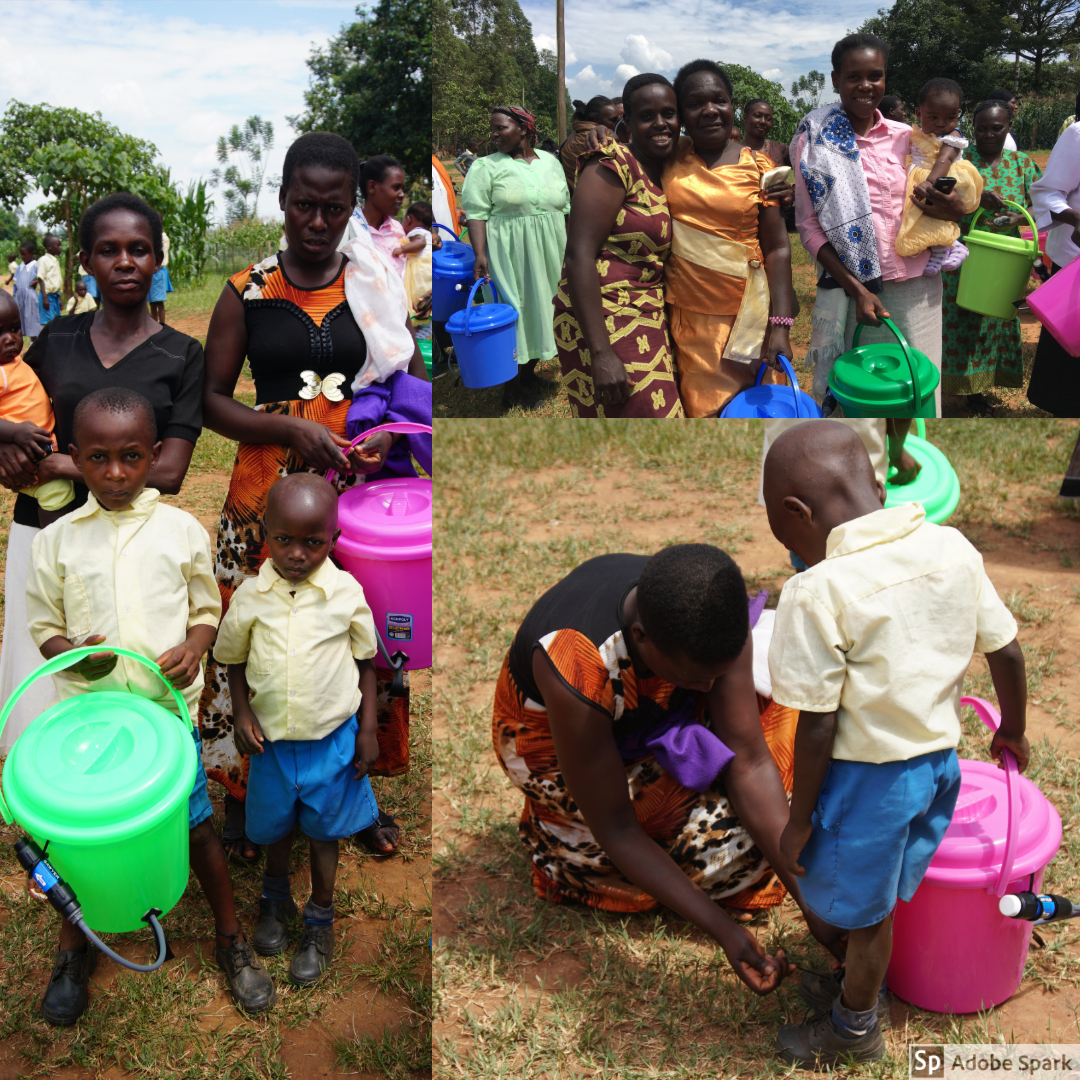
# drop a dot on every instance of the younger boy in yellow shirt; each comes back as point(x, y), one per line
point(298, 640)
point(871, 643)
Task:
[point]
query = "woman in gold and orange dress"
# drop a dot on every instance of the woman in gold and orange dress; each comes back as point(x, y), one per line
point(653, 772)
point(728, 278)
point(289, 317)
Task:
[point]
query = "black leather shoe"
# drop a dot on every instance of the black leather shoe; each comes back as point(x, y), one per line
point(65, 996)
point(313, 957)
point(272, 933)
point(249, 982)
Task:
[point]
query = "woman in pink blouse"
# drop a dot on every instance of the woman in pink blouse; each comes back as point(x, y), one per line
point(382, 186)
point(850, 192)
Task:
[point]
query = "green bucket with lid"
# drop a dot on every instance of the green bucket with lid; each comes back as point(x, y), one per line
point(996, 272)
point(936, 486)
point(104, 779)
point(885, 378)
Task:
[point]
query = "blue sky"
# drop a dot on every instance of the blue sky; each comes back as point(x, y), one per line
point(177, 73)
point(780, 39)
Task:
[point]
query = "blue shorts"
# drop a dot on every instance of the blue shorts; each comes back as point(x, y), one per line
point(198, 804)
point(311, 781)
point(160, 284)
point(48, 307)
point(875, 830)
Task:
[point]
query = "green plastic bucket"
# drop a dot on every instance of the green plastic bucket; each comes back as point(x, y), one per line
point(425, 352)
point(884, 379)
point(936, 486)
point(104, 779)
point(994, 276)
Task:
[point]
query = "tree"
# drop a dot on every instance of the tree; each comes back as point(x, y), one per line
point(244, 153)
point(747, 84)
point(372, 84)
point(74, 158)
point(806, 92)
point(188, 224)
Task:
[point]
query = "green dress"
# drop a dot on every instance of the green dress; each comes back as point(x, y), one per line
point(978, 352)
point(525, 207)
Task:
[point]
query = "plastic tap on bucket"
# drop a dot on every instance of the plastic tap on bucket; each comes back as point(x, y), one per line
point(992, 719)
point(905, 348)
point(472, 293)
point(68, 659)
point(1031, 222)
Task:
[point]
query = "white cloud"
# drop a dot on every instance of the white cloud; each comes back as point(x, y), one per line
point(587, 83)
point(639, 52)
point(626, 71)
point(772, 73)
point(546, 41)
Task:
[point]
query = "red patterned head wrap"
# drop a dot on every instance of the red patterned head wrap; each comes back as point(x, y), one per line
point(522, 116)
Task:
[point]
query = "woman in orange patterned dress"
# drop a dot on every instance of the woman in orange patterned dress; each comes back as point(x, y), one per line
point(289, 317)
point(653, 772)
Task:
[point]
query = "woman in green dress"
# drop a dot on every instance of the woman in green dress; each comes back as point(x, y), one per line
point(979, 352)
point(516, 201)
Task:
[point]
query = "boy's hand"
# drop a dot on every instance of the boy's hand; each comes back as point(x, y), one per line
point(34, 441)
point(97, 665)
point(179, 665)
point(247, 734)
point(761, 972)
point(367, 752)
point(792, 841)
point(1017, 744)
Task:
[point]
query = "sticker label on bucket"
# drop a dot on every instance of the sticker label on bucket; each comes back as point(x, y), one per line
point(398, 626)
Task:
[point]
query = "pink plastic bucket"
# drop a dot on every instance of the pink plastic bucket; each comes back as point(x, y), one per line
point(1025, 234)
point(385, 544)
point(953, 951)
point(1057, 306)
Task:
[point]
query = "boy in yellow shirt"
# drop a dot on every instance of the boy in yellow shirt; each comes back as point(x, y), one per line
point(130, 571)
point(49, 280)
point(298, 640)
point(871, 643)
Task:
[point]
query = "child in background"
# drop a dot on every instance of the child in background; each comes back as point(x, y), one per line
point(892, 108)
point(13, 265)
point(871, 643)
point(26, 416)
point(81, 301)
point(127, 570)
point(937, 149)
point(50, 279)
point(417, 251)
point(299, 640)
point(25, 275)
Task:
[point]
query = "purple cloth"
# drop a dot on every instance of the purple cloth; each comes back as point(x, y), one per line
point(403, 398)
point(757, 606)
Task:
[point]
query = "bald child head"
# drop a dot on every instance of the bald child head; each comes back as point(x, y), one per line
point(300, 524)
point(303, 493)
point(817, 475)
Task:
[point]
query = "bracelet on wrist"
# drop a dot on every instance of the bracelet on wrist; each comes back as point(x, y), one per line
point(781, 320)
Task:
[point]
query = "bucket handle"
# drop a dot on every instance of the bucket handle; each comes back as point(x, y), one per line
point(789, 371)
point(917, 393)
point(445, 228)
point(1023, 210)
point(402, 427)
point(992, 719)
point(66, 660)
point(472, 293)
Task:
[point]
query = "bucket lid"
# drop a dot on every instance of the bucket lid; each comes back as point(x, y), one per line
point(453, 259)
point(878, 373)
point(936, 486)
point(99, 766)
point(970, 855)
point(1015, 245)
point(767, 400)
point(389, 519)
point(482, 317)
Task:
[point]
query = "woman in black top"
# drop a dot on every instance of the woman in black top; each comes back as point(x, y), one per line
point(118, 345)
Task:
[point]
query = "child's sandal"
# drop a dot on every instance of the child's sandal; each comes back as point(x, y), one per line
point(367, 836)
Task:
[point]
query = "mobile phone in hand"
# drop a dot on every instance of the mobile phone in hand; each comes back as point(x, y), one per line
point(945, 184)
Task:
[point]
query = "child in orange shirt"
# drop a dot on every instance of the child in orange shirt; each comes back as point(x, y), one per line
point(26, 416)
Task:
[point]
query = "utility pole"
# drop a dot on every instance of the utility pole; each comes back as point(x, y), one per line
point(560, 32)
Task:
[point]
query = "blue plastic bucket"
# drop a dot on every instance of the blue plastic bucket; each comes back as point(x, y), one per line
point(451, 271)
point(485, 340)
point(772, 400)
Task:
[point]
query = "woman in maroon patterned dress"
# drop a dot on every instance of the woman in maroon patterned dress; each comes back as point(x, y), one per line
point(610, 324)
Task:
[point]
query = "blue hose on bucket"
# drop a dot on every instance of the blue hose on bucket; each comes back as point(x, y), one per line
point(62, 897)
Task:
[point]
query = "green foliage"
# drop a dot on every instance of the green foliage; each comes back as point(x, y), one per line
point(485, 56)
point(807, 90)
point(1039, 121)
point(372, 84)
point(187, 225)
point(747, 84)
point(240, 243)
point(243, 152)
point(73, 158)
point(9, 226)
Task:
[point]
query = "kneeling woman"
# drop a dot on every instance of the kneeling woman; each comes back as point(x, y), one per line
point(653, 772)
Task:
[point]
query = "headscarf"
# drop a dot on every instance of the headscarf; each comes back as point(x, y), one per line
point(522, 116)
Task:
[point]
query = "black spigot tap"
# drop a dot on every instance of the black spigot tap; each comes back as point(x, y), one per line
point(1037, 907)
point(58, 892)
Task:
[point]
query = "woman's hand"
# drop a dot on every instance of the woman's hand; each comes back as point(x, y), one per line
point(423, 306)
point(761, 972)
point(17, 469)
point(869, 309)
point(54, 467)
point(610, 385)
point(781, 194)
point(317, 446)
point(480, 268)
point(945, 207)
point(779, 342)
point(991, 200)
point(596, 137)
point(370, 455)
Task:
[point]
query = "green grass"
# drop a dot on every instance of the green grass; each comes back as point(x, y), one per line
point(526, 988)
